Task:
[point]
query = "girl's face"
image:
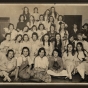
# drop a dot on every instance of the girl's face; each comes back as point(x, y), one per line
point(34, 29)
point(79, 37)
point(51, 19)
point(25, 52)
point(11, 27)
point(75, 26)
point(19, 38)
point(47, 12)
point(55, 54)
point(52, 29)
point(60, 18)
point(8, 37)
point(53, 9)
point(85, 27)
point(69, 48)
point(41, 54)
point(41, 18)
point(46, 38)
point(41, 27)
point(22, 18)
point(34, 37)
point(72, 38)
point(62, 26)
point(79, 47)
point(35, 10)
point(25, 29)
point(57, 37)
point(25, 9)
point(31, 18)
point(10, 55)
point(25, 38)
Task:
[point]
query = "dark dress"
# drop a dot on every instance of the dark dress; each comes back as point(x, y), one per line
point(58, 46)
point(74, 34)
point(52, 36)
point(21, 25)
point(27, 17)
point(85, 32)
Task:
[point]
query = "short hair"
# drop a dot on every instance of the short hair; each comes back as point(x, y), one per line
point(40, 16)
point(56, 51)
point(7, 34)
point(34, 26)
point(35, 8)
point(53, 26)
point(52, 17)
point(40, 25)
point(11, 24)
point(18, 36)
point(10, 50)
point(20, 17)
point(27, 28)
point(26, 49)
point(25, 35)
point(34, 33)
point(40, 49)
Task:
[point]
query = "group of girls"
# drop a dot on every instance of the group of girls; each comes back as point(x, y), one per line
point(41, 47)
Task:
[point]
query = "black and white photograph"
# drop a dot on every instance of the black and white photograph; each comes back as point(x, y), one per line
point(43, 43)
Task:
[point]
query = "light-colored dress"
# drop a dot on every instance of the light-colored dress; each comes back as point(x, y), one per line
point(35, 45)
point(69, 63)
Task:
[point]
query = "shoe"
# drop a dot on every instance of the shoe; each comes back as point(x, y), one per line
point(70, 80)
point(82, 80)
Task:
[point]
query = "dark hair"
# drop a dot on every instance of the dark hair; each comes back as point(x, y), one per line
point(20, 17)
point(60, 43)
point(34, 33)
point(33, 18)
point(79, 43)
point(40, 49)
point(25, 35)
point(27, 49)
point(34, 26)
point(44, 40)
point(27, 10)
point(7, 34)
point(60, 16)
point(64, 28)
point(45, 12)
point(73, 51)
point(18, 36)
point(36, 8)
point(53, 26)
point(55, 13)
point(10, 24)
point(40, 25)
point(86, 24)
point(10, 50)
point(49, 19)
point(27, 28)
point(56, 51)
point(40, 16)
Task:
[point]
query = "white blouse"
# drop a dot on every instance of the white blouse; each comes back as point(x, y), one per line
point(41, 62)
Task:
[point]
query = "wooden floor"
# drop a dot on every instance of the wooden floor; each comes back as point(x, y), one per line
point(76, 79)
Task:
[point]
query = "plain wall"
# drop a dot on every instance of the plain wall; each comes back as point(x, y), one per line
point(14, 10)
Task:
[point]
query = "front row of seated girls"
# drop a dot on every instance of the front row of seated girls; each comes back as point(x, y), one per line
point(44, 68)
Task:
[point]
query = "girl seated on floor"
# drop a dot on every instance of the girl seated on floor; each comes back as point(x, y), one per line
point(41, 66)
point(68, 60)
point(23, 65)
point(81, 62)
point(56, 65)
point(8, 65)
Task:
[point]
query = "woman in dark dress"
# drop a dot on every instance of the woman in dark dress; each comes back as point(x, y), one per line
point(26, 13)
point(21, 24)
